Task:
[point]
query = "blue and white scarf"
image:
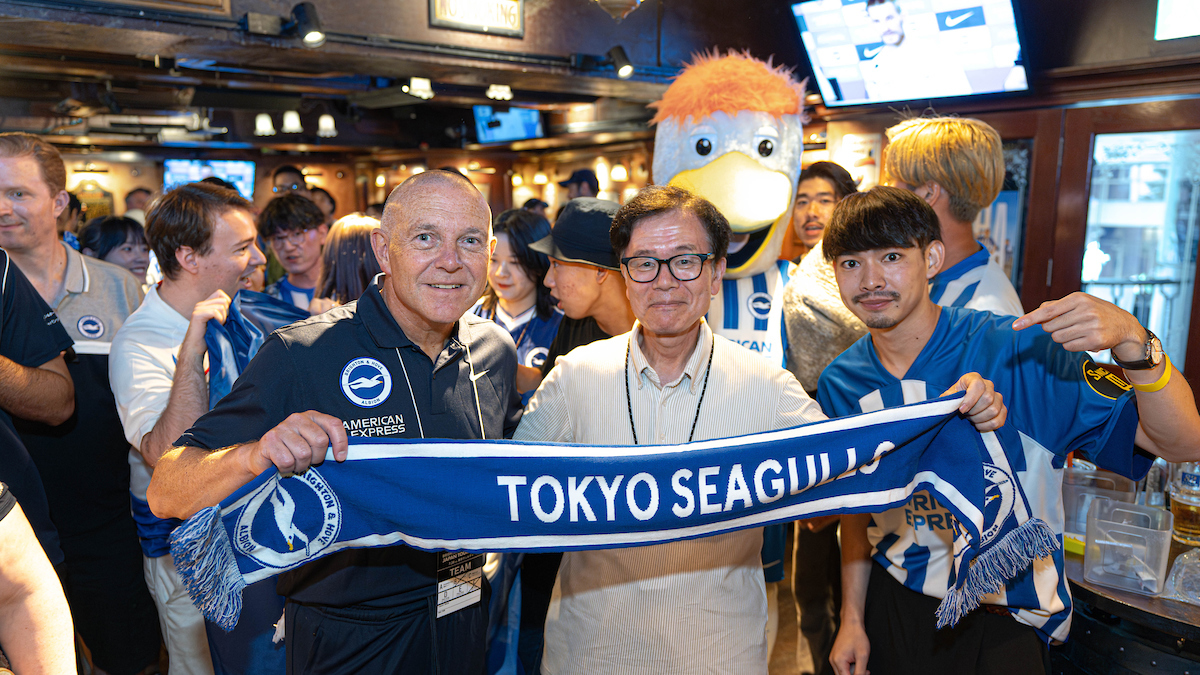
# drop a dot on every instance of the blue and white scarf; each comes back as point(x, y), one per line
point(511, 496)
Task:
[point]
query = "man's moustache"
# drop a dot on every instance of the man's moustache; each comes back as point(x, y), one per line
point(890, 295)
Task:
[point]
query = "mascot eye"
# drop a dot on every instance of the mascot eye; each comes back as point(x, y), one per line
point(703, 146)
point(765, 148)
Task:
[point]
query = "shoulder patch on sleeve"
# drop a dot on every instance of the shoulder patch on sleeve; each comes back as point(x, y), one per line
point(1102, 381)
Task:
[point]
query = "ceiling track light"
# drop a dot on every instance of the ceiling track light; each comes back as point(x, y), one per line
point(304, 23)
point(307, 25)
point(616, 57)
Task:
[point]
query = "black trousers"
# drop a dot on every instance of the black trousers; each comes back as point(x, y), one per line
point(905, 640)
point(106, 589)
point(409, 639)
point(817, 583)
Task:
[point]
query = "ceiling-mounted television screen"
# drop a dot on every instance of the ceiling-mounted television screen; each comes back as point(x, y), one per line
point(239, 172)
point(506, 125)
point(878, 51)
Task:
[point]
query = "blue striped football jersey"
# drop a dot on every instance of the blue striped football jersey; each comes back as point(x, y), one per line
point(749, 311)
point(1058, 401)
point(976, 282)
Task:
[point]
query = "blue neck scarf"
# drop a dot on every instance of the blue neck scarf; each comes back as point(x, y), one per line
point(513, 496)
point(232, 344)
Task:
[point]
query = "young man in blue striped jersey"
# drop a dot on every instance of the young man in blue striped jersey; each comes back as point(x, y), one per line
point(897, 565)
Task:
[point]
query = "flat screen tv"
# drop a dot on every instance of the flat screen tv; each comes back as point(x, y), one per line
point(902, 50)
point(506, 126)
point(238, 172)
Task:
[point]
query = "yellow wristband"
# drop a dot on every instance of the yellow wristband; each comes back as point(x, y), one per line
point(1161, 382)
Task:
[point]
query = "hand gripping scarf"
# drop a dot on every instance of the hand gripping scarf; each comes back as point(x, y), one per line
point(513, 496)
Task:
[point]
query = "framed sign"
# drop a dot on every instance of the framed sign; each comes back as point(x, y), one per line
point(491, 17)
point(201, 6)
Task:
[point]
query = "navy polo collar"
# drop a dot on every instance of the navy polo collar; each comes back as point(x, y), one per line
point(382, 326)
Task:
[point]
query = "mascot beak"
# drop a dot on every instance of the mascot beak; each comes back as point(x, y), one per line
point(748, 194)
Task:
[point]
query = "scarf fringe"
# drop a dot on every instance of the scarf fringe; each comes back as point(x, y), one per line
point(206, 564)
point(989, 571)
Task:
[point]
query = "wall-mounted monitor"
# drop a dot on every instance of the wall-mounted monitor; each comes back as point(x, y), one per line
point(506, 125)
point(871, 51)
point(238, 172)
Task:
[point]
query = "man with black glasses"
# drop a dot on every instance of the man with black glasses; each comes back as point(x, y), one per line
point(687, 605)
point(295, 229)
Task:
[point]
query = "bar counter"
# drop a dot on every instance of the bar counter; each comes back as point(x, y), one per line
point(1117, 632)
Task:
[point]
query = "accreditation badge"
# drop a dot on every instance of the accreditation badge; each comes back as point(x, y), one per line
point(460, 581)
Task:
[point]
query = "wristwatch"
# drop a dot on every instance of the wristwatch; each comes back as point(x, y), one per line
point(1154, 355)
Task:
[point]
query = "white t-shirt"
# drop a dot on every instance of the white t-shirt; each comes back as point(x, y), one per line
point(141, 368)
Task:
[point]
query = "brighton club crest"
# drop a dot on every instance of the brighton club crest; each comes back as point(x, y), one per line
point(366, 382)
point(287, 520)
point(1000, 497)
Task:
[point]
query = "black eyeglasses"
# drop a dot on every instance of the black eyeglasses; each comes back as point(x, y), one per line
point(684, 267)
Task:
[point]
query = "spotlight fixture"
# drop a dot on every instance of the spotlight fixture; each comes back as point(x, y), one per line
point(303, 23)
point(421, 87)
point(616, 57)
point(291, 123)
point(380, 180)
point(620, 62)
point(263, 125)
point(326, 127)
point(307, 24)
point(499, 92)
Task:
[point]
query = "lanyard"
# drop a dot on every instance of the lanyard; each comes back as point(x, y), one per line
point(703, 391)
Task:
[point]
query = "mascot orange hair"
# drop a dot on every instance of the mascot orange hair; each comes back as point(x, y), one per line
point(730, 129)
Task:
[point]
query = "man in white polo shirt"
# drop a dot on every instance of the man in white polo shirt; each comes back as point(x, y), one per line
point(204, 237)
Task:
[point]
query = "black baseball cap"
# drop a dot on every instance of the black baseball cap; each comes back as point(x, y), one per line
point(582, 176)
point(581, 234)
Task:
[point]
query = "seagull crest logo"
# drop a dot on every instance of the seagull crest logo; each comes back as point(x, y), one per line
point(366, 382)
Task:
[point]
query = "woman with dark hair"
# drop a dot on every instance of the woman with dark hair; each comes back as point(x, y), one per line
point(117, 240)
point(348, 263)
point(516, 298)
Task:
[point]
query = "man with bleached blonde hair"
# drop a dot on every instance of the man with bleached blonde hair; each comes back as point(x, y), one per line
point(957, 166)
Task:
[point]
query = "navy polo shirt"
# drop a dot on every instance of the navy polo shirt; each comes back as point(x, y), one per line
point(355, 363)
point(30, 335)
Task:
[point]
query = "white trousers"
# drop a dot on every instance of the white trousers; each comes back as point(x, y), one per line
point(182, 624)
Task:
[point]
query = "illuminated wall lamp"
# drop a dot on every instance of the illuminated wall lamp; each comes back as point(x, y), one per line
point(291, 123)
point(421, 87)
point(619, 173)
point(263, 125)
point(517, 181)
point(326, 127)
point(539, 178)
point(499, 92)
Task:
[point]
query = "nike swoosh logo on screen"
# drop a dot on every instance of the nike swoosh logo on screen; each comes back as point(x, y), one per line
point(952, 21)
point(870, 53)
point(476, 376)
